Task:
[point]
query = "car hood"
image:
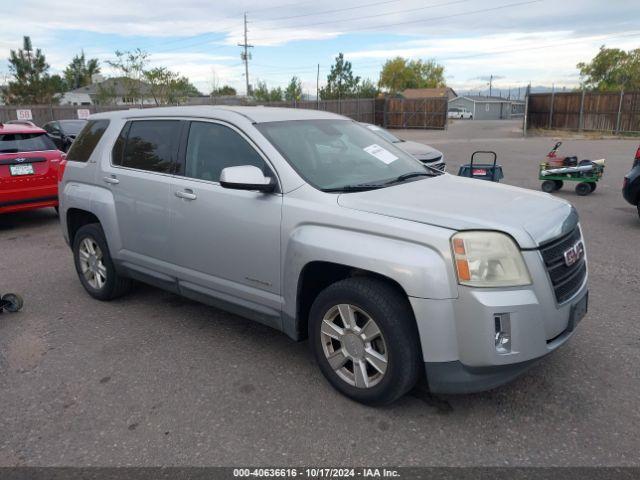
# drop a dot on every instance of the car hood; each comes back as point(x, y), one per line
point(530, 217)
point(419, 150)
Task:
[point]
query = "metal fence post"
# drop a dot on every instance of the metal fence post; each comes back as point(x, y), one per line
point(525, 118)
point(619, 111)
point(384, 113)
point(553, 95)
point(581, 117)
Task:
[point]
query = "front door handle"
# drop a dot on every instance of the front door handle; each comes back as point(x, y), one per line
point(186, 194)
point(111, 180)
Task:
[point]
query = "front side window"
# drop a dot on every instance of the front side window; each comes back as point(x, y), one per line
point(212, 147)
point(84, 145)
point(25, 142)
point(151, 145)
point(340, 154)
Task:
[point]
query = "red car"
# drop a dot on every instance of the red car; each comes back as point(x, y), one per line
point(30, 167)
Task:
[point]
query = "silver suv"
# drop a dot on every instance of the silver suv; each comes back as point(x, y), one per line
point(312, 224)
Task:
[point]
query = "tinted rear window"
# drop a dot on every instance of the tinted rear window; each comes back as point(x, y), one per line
point(25, 142)
point(83, 146)
point(151, 145)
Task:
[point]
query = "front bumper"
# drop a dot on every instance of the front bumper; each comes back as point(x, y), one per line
point(458, 336)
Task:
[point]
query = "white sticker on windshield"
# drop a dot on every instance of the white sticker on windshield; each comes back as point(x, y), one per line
point(380, 153)
point(374, 128)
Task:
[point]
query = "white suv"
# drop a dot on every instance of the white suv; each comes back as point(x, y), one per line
point(314, 225)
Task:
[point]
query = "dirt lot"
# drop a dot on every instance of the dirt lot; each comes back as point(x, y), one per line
point(153, 379)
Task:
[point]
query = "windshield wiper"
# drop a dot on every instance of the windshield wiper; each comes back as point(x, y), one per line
point(9, 150)
point(407, 176)
point(355, 188)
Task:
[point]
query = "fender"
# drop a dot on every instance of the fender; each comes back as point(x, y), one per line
point(98, 201)
point(421, 271)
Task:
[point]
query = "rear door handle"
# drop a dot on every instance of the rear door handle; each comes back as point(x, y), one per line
point(186, 194)
point(111, 180)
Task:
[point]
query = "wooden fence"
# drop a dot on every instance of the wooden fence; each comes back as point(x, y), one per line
point(617, 112)
point(359, 109)
point(424, 113)
point(427, 113)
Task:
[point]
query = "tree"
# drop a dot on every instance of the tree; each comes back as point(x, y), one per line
point(293, 92)
point(79, 71)
point(367, 89)
point(612, 69)
point(31, 82)
point(130, 65)
point(180, 88)
point(159, 81)
point(262, 93)
point(340, 82)
point(226, 90)
point(168, 87)
point(105, 94)
point(399, 74)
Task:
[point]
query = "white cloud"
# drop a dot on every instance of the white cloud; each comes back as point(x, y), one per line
point(502, 41)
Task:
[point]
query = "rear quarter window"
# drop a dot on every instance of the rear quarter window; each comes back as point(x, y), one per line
point(86, 142)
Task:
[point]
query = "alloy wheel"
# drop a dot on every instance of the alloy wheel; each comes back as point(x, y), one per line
point(91, 263)
point(354, 346)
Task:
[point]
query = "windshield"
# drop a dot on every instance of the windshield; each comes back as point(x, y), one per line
point(73, 127)
point(25, 142)
point(339, 154)
point(388, 136)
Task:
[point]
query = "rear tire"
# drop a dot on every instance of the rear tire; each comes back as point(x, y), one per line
point(549, 186)
point(365, 328)
point(593, 186)
point(583, 189)
point(12, 302)
point(94, 265)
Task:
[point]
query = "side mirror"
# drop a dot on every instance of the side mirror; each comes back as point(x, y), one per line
point(246, 177)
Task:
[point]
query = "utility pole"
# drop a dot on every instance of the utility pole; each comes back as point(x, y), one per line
point(245, 55)
point(490, 82)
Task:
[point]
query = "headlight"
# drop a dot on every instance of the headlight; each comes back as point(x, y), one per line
point(488, 259)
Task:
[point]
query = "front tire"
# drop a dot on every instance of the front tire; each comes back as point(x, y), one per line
point(364, 337)
point(548, 186)
point(583, 188)
point(94, 264)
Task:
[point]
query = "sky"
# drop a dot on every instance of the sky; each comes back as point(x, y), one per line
point(515, 41)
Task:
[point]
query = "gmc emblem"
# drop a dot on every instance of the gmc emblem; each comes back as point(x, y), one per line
point(574, 254)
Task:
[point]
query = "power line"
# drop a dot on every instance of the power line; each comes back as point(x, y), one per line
point(379, 14)
point(329, 11)
point(424, 20)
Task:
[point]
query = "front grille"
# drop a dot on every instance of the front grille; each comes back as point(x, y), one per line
point(566, 280)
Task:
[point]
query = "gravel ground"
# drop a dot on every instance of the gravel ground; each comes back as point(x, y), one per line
point(153, 379)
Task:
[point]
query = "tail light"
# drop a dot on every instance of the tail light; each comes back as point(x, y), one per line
point(61, 166)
